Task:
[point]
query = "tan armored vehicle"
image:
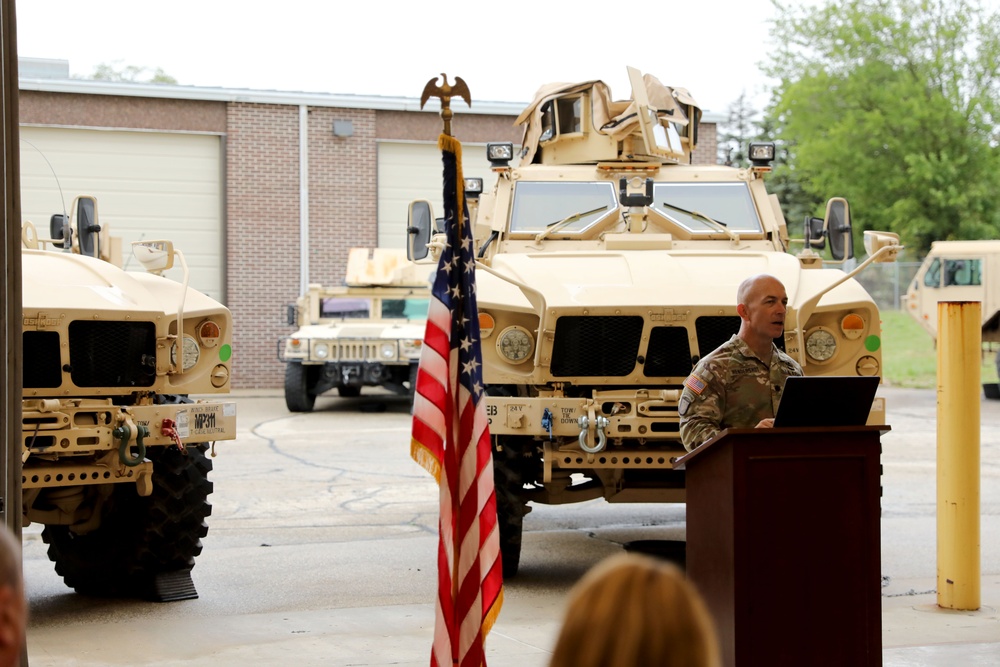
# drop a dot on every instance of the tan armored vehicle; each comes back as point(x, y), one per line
point(958, 271)
point(366, 333)
point(114, 450)
point(608, 265)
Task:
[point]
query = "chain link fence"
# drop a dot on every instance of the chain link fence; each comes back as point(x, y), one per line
point(887, 283)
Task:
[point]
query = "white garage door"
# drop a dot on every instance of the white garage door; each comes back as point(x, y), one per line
point(408, 171)
point(148, 185)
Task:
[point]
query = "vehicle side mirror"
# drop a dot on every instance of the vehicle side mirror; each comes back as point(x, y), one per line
point(419, 227)
point(838, 228)
point(291, 315)
point(87, 229)
point(815, 234)
point(60, 231)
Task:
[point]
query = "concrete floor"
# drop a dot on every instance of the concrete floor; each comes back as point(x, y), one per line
point(321, 551)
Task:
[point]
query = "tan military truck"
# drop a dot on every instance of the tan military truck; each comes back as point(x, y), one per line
point(114, 449)
point(365, 333)
point(608, 266)
point(959, 271)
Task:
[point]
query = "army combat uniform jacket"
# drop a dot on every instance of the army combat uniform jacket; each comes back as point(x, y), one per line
point(731, 387)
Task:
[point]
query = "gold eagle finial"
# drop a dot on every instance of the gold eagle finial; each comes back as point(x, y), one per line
point(445, 92)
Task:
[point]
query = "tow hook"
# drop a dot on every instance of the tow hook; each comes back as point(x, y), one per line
point(599, 422)
point(124, 433)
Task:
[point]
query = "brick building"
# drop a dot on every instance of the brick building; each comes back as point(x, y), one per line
point(265, 191)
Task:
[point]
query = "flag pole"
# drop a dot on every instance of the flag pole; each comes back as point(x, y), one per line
point(451, 429)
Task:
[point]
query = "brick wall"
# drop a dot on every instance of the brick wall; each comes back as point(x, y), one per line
point(343, 191)
point(262, 240)
point(262, 206)
point(706, 152)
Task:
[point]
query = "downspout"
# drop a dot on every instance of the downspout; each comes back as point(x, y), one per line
point(303, 198)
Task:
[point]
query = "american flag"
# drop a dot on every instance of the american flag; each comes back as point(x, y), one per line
point(451, 440)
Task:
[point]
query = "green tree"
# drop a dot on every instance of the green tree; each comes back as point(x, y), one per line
point(894, 105)
point(116, 71)
point(739, 129)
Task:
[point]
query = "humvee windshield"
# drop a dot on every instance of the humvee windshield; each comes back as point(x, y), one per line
point(340, 308)
point(410, 309)
point(540, 204)
point(727, 203)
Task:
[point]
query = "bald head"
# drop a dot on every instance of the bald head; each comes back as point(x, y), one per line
point(761, 304)
point(750, 288)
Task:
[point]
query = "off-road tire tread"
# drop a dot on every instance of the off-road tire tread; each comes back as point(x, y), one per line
point(140, 537)
point(299, 382)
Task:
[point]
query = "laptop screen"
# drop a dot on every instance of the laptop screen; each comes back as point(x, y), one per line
point(826, 400)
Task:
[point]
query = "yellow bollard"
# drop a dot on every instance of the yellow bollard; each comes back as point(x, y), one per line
point(958, 430)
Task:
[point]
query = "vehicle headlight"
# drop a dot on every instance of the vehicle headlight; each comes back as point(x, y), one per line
point(192, 352)
point(321, 350)
point(387, 351)
point(821, 345)
point(515, 344)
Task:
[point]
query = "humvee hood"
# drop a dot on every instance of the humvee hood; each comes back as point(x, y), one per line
point(640, 278)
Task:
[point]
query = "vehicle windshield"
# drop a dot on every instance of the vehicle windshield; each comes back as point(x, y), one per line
point(336, 308)
point(410, 309)
point(539, 204)
point(728, 204)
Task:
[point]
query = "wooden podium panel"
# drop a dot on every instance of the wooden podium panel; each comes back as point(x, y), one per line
point(783, 542)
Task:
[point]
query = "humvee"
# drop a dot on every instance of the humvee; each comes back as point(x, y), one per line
point(114, 447)
point(365, 333)
point(608, 265)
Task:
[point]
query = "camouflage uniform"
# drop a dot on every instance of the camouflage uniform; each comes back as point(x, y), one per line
point(731, 387)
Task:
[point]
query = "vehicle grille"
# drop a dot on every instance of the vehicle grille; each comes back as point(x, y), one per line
point(356, 350)
point(596, 346)
point(42, 366)
point(714, 330)
point(669, 353)
point(112, 354)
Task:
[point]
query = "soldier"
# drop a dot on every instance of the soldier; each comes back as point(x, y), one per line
point(739, 384)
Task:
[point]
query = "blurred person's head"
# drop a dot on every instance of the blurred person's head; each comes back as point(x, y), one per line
point(13, 609)
point(634, 611)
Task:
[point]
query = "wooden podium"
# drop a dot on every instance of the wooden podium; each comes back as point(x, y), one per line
point(783, 542)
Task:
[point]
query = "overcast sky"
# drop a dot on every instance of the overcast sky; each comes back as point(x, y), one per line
point(503, 50)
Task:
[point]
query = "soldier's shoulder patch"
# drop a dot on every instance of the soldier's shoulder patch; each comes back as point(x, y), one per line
point(695, 384)
point(683, 405)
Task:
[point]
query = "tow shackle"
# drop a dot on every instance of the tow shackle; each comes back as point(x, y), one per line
point(124, 434)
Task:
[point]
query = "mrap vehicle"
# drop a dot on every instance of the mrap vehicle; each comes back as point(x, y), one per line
point(607, 266)
point(114, 448)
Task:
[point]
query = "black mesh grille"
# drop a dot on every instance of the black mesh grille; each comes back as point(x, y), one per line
point(42, 366)
point(669, 353)
point(596, 346)
point(714, 330)
point(112, 354)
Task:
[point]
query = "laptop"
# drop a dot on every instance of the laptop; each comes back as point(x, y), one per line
point(826, 400)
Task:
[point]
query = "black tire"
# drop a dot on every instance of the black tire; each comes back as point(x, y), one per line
point(347, 391)
point(300, 381)
point(508, 480)
point(140, 537)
